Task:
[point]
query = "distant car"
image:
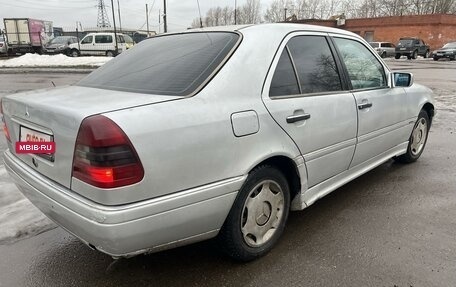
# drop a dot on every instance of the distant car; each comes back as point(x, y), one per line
point(188, 136)
point(99, 44)
point(3, 46)
point(384, 49)
point(412, 48)
point(128, 41)
point(447, 51)
point(60, 45)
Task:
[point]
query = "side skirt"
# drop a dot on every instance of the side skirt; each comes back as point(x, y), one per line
point(309, 196)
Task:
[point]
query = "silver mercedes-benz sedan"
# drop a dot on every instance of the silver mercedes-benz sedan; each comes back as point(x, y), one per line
point(213, 132)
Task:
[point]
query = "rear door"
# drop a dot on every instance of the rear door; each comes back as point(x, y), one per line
point(382, 110)
point(305, 95)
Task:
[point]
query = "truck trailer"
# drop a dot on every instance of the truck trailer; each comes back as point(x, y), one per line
point(25, 35)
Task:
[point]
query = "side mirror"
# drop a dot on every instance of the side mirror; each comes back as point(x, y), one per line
point(402, 79)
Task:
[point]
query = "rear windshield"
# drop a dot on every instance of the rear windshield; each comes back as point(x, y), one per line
point(167, 65)
point(405, 42)
point(374, 44)
point(450, 45)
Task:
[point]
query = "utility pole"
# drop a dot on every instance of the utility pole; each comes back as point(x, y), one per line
point(285, 9)
point(159, 21)
point(235, 12)
point(114, 22)
point(165, 24)
point(199, 10)
point(120, 19)
point(147, 19)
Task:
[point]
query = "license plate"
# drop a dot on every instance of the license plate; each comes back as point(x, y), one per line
point(30, 135)
point(402, 49)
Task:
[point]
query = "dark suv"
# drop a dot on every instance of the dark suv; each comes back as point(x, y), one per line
point(411, 47)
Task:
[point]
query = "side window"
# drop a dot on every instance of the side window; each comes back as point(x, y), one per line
point(120, 39)
point(315, 65)
point(364, 70)
point(87, 40)
point(103, 39)
point(284, 82)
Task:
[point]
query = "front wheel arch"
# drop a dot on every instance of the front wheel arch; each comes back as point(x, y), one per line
point(429, 108)
point(417, 140)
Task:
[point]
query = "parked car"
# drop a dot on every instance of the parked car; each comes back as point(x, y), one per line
point(384, 49)
point(447, 51)
point(412, 48)
point(216, 132)
point(3, 45)
point(101, 44)
point(60, 45)
point(129, 43)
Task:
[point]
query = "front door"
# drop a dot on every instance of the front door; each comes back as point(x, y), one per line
point(382, 110)
point(87, 45)
point(305, 95)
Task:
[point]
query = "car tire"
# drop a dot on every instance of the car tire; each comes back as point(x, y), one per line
point(417, 140)
point(110, 54)
point(426, 55)
point(383, 55)
point(436, 59)
point(74, 53)
point(415, 54)
point(397, 56)
point(258, 216)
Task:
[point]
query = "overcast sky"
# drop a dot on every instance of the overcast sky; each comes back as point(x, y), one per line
point(65, 13)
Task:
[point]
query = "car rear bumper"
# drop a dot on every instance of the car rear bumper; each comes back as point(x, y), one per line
point(122, 231)
point(441, 56)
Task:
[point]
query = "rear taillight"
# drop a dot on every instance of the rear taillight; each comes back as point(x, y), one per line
point(104, 156)
point(4, 127)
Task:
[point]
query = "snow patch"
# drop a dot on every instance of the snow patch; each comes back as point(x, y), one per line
point(35, 60)
point(18, 217)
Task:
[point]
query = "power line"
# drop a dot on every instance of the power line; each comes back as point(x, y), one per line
point(45, 8)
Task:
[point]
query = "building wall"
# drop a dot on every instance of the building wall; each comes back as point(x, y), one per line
point(435, 30)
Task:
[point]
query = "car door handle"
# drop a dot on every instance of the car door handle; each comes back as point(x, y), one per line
point(297, 118)
point(364, 106)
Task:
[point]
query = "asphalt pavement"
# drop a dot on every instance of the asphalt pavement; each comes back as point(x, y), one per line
point(394, 226)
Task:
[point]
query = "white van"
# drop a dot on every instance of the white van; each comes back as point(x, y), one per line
point(98, 44)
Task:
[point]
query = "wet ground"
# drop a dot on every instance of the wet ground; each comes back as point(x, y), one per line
point(394, 226)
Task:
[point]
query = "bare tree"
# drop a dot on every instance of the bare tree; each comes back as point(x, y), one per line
point(217, 16)
point(275, 12)
point(227, 15)
point(196, 23)
point(250, 12)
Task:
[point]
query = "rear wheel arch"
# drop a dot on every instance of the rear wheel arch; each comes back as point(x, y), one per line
point(289, 169)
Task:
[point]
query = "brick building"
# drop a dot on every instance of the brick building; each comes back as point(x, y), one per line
point(435, 29)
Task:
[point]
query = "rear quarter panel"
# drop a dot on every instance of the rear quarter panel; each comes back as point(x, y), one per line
point(187, 143)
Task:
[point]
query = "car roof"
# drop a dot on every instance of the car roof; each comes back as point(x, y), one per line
point(275, 28)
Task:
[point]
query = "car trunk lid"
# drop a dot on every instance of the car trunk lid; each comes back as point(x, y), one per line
point(56, 115)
